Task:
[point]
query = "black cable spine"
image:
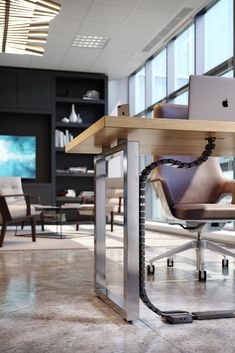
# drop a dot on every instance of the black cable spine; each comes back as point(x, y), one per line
point(209, 148)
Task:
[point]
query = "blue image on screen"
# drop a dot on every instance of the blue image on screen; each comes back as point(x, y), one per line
point(18, 156)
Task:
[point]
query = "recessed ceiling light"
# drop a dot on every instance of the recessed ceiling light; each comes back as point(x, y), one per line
point(94, 42)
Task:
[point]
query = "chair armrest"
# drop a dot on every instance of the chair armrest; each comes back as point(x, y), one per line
point(228, 187)
point(4, 205)
point(35, 199)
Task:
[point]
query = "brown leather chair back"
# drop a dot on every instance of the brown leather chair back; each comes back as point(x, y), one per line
point(195, 185)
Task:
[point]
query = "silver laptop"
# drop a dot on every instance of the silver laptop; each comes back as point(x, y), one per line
point(211, 98)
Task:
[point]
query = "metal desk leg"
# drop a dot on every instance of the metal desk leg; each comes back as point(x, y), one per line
point(128, 306)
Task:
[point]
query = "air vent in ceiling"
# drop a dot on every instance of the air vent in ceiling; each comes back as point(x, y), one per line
point(177, 19)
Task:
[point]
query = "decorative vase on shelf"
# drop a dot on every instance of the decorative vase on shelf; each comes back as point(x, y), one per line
point(73, 116)
point(79, 119)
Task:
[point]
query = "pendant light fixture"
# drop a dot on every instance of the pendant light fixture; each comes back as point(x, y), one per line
point(24, 25)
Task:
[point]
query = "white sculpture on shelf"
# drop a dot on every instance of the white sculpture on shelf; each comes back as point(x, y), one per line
point(73, 116)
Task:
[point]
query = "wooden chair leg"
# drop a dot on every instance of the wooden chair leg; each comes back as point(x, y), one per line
point(42, 221)
point(3, 232)
point(111, 221)
point(33, 229)
point(77, 221)
point(22, 225)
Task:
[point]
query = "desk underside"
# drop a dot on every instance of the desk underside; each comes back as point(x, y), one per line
point(156, 136)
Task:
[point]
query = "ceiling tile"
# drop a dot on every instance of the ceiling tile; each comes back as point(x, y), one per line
point(75, 10)
point(124, 3)
point(166, 5)
point(58, 51)
point(101, 13)
point(130, 45)
point(98, 28)
point(107, 57)
point(147, 17)
point(135, 32)
point(60, 39)
point(48, 62)
point(14, 60)
point(80, 57)
point(64, 26)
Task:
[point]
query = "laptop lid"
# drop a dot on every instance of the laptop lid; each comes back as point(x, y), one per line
point(211, 98)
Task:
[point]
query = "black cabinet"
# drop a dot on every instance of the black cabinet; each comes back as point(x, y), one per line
point(34, 90)
point(8, 86)
point(24, 89)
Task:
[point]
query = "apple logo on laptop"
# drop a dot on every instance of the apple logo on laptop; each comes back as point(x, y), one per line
point(225, 103)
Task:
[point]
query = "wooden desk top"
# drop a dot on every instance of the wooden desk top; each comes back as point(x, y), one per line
point(156, 136)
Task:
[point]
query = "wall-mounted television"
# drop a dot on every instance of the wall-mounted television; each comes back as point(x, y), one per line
point(18, 156)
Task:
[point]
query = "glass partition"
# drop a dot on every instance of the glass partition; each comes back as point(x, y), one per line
point(114, 241)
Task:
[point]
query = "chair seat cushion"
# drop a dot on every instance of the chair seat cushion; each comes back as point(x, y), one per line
point(17, 211)
point(34, 211)
point(204, 211)
point(86, 209)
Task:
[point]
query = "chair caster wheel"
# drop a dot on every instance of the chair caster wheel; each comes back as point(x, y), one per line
point(225, 263)
point(170, 262)
point(150, 269)
point(202, 276)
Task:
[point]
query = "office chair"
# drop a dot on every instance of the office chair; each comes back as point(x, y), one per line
point(190, 198)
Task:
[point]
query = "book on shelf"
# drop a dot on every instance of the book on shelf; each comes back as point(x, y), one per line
point(62, 138)
point(77, 169)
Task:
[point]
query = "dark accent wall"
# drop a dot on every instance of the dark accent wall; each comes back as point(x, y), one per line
point(33, 102)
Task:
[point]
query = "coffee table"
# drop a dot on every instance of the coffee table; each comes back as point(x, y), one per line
point(57, 216)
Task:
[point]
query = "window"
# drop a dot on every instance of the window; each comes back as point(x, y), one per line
point(183, 57)
point(218, 35)
point(228, 74)
point(158, 79)
point(181, 99)
point(206, 46)
point(139, 79)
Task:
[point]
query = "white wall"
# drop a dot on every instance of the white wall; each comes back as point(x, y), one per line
point(118, 94)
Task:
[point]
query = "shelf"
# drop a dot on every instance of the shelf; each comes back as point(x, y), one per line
point(72, 125)
point(70, 88)
point(65, 174)
point(25, 111)
point(79, 100)
point(68, 199)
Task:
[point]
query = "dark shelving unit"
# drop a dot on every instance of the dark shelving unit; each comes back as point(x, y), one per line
point(70, 89)
point(33, 102)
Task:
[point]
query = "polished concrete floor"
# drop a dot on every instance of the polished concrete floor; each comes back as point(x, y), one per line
point(47, 303)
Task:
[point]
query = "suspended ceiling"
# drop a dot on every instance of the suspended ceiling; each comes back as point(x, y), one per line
point(135, 30)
